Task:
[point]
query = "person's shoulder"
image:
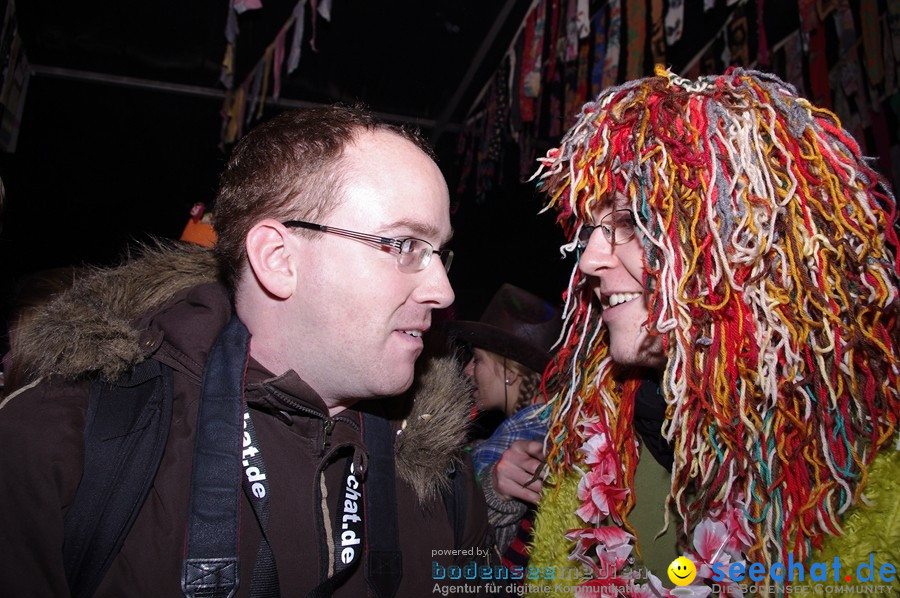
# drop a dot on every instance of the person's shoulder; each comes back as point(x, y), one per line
point(47, 402)
point(42, 437)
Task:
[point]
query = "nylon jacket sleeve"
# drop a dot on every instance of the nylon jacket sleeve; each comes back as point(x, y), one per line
point(478, 531)
point(41, 456)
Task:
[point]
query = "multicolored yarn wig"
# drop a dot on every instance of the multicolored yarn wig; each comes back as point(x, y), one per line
point(771, 273)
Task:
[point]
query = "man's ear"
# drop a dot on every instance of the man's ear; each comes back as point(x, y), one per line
point(273, 257)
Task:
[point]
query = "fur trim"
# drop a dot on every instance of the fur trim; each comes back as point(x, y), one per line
point(433, 436)
point(90, 329)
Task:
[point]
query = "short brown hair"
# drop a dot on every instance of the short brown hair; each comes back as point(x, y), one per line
point(288, 168)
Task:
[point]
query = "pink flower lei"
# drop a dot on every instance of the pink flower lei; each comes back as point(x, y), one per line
point(607, 550)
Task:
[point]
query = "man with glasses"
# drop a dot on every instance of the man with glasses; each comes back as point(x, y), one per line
point(733, 318)
point(308, 450)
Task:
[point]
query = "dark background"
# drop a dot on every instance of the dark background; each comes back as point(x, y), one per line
point(121, 131)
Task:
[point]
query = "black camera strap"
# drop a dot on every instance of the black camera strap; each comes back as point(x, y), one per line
point(371, 507)
point(384, 564)
point(264, 583)
point(211, 568)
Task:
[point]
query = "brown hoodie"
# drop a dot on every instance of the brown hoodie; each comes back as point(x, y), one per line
point(163, 306)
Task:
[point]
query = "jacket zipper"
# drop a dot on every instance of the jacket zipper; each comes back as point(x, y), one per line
point(328, 422)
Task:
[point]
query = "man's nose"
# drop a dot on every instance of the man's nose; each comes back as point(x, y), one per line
point(436, 290)
point(598, 255)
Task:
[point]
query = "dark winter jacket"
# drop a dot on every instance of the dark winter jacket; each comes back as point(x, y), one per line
point(96, 329)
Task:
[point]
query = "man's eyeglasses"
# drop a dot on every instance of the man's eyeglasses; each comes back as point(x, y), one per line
point(413, 255)
point(617, 227)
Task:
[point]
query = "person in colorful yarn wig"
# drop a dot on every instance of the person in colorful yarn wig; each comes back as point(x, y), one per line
point(765, 294)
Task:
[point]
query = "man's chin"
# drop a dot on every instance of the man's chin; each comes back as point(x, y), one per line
point(632, 357)
point(397, 384)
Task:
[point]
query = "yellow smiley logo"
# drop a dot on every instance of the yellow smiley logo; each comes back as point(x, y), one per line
point(682, 571)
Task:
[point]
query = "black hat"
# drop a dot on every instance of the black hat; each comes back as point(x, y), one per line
point(517, 325)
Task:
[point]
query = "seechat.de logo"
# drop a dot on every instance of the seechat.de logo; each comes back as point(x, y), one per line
point(797, 572)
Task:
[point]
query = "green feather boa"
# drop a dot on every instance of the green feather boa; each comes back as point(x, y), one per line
point(871, 529)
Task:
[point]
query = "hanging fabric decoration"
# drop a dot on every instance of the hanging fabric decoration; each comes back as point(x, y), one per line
point(657, 32)
point(233, 111)
point(674, 21)
point(871, 35)
point(314, 4)
point(530, 69)
point(555, 85)
point(582, 19)
point(241, 6)
point(583, 57)
point(325, 10)
point(599, 51)
point(817, 62)
point(709, 61)
point(554, 35)
point(514, 122)
point(726, 49)
point(533, 85)
point(571, 51)
point(226, 77)
point(887, 56)
point(762, 42)
point(278, 59)
point(526, 100)
point(879, 128)
point(737, 41)
point(264, 91)
point(793, 62)
point(824, 8)
point(893, 26)
point(581, 87)
point(490, 150)
point(254, 92)
point(806, 10)
point(613, 44)
point(851, 77)
point(570, 81)
point(15, 78)
point(637, 39)
point(465, 147)
point(297, 39)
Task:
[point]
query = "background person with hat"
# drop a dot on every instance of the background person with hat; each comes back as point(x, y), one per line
point(511, 348)
point(511, 345)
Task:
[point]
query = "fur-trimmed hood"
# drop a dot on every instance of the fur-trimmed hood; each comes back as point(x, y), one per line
point(93, 330)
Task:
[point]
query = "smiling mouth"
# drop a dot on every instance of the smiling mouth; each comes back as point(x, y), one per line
point(680, 577)
point(619, 298)
point(413, 333)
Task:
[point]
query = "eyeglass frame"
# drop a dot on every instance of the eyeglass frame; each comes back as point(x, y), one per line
point(392, 244)
point(608, 230)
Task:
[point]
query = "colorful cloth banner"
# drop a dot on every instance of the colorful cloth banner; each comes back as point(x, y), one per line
point(674, 21)
point(871, 35)
point(297, 39)
point(762, 42)
point(599, 52)
point(657, 32)
point(241, 6)
point(613, 44)
point(637, 39)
